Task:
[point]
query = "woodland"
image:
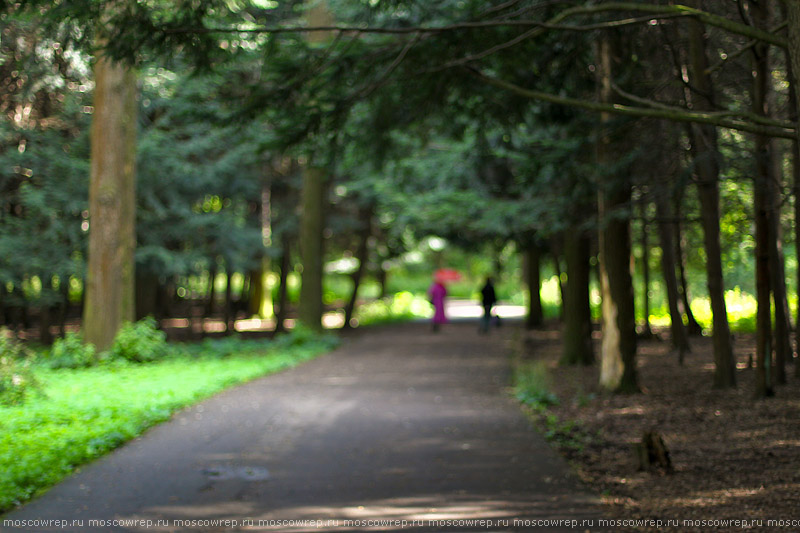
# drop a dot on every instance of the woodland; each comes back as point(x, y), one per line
point(224, 157)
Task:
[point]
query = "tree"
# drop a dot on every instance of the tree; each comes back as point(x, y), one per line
point(121, 30)
point(679, 337)
point(44, 152)
point(577, 337)
point(706, 168)
point(110, 297)
point(792, 14)
point(312, 224)
point(618, 349)
point(766, 228)
point(365, 215)
point(533, 281)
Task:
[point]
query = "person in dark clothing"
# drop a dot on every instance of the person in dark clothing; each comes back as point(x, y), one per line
point(488, 299)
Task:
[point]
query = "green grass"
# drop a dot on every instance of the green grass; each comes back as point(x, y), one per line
point(532, 385)
point(401, 307)
point(78, 415)
point(740, 305)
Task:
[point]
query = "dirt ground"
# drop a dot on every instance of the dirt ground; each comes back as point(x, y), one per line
point(734, 458)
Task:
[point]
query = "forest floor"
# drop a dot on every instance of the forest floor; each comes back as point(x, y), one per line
point(733, 457)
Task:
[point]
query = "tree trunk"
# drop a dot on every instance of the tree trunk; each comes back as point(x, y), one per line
point(362, 255)
point(228, 313)
point(577, 338)
point(533, 275)
point(793, 108)
point(763, 318)
point(146, 294)
point(45, 320)
point(382, 280)
point(680, 340)
point(783, 327)
point(165, 302)
point(706, 154)
point(618, 349)
point(792, 13)
point(647, 332)
point(763, 197)
point(283, 289)
point(110, 299)
point(796, 176)
point(211, 295)
point(763, 102)
point(259, 295)
point(693, 328)
point(257, 292)
point(311, 246)
point(556, 254)
point(63, 306)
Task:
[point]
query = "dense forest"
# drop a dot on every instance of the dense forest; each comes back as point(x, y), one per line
point(646, 152)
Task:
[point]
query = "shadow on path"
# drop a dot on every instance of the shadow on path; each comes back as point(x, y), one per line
point(399, 429)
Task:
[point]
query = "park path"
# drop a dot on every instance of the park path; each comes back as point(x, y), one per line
point(399, 424)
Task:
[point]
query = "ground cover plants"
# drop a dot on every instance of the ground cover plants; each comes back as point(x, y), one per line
point(69, 416)
point(401, 307)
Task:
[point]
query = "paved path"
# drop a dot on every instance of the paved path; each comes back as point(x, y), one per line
point(399, 424)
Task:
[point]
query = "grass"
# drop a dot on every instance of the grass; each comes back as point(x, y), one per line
point(532, 387)
point(401, 307)
point(740, 305)
point(79, 414)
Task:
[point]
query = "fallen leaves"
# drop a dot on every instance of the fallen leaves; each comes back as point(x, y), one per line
point(734, 457)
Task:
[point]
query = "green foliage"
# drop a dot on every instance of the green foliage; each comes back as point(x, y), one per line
point(44, 164)
point(740, 305)
point(226, 346)
point(532, 385)
point(16, 377)
point(568, 435)
point(401, 307)
point(84, 413)
point(305, 339)
point(70, 352)
point(16, 381)
point(299, 338)
point(199, 172)
point(139, 342)
point(532, 388)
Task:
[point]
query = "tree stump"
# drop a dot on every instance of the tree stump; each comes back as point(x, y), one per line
point(651, 453)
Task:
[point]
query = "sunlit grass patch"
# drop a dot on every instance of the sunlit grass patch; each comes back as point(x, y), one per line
point(741, 308)
point(403, 306)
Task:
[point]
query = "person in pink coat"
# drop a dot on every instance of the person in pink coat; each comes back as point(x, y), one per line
point(436, 294)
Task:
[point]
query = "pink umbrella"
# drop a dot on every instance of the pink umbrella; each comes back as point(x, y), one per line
point(444, 275)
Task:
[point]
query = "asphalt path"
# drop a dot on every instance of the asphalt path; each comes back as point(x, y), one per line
point(400, 429)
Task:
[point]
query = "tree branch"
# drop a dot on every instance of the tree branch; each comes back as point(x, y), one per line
point(752, 117)
point(658, 11)
point(381, 80)
point(499, 23)
point(744, 49)
point(783, 130)
point(703, 16)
